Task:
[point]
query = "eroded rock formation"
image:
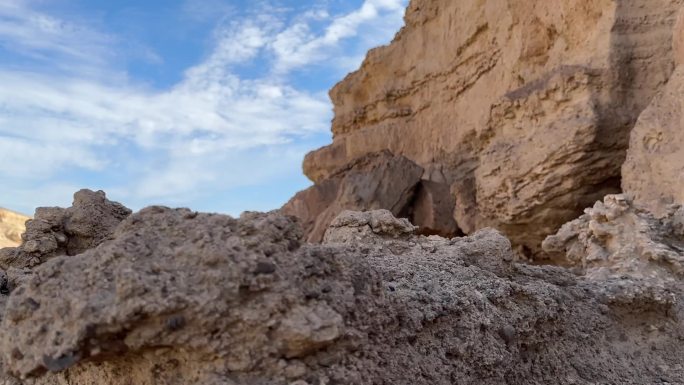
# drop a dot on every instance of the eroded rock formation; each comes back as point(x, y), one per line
point(376, 181)
point(654, 170)
point(640, 233)
point(178, 297)
point(56, 231)
point(12, 225)
point(522, 109)
point(615, 238)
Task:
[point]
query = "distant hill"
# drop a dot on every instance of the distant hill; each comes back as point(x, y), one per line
point(12, 225)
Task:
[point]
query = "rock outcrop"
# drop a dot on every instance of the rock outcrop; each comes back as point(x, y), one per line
point(522, 109)
point(640, 233)
point(179, 297)
point(56, 231)
point(654, 170)
point(12, 225)
point(615, 238)
point(376, 181)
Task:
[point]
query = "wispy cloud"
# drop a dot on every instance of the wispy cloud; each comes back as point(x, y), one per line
point(297, 46)
point(216, 128)
point(43, 36)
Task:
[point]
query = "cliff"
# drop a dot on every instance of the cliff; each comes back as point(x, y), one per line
point(519, 112)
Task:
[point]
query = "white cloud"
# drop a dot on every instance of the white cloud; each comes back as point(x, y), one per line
point(46, 37)
point(214, 128)
point(296, 46)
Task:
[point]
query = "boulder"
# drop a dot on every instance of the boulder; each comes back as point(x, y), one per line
point(375, 181)
point(368, 226)
point(55, 231)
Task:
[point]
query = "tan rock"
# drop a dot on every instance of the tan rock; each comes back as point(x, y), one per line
point(375, 181)
point(357, 227)
point(678, 39)
point(654, 170)
point(543, 164)
point(525, 106)
point(12, 225)
point(616, 239)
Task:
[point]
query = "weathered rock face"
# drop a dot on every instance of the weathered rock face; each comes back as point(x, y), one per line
point(654, 170)
point(614, 238)
point(376, 181)
point(178, 297)
point(523, 108)
point(55, 231)
point(432, 209)
point(12, 225)
point(365, 227)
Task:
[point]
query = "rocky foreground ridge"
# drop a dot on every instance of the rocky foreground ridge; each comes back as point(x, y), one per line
point(557, 123)
point(11, 228)
point(172, 296)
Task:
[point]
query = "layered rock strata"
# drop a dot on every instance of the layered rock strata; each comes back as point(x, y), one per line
point(179, 297)
point(639, 233)
point(522, 109)
point(654, 170)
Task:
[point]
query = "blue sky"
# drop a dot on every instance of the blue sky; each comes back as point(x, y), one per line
point(208, 104)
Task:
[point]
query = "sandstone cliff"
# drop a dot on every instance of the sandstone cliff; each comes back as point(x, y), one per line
point(12, 225)
point(520, 110)
point(640, 233)
point(654, 170)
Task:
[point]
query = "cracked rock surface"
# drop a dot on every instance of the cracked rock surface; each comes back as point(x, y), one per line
point(617, 238)
point(55, 231)
point(179, 297)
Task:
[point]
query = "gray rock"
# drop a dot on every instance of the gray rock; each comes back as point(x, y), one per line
point(176, 298)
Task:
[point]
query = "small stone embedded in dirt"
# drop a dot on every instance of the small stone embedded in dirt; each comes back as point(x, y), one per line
point(265, 268)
